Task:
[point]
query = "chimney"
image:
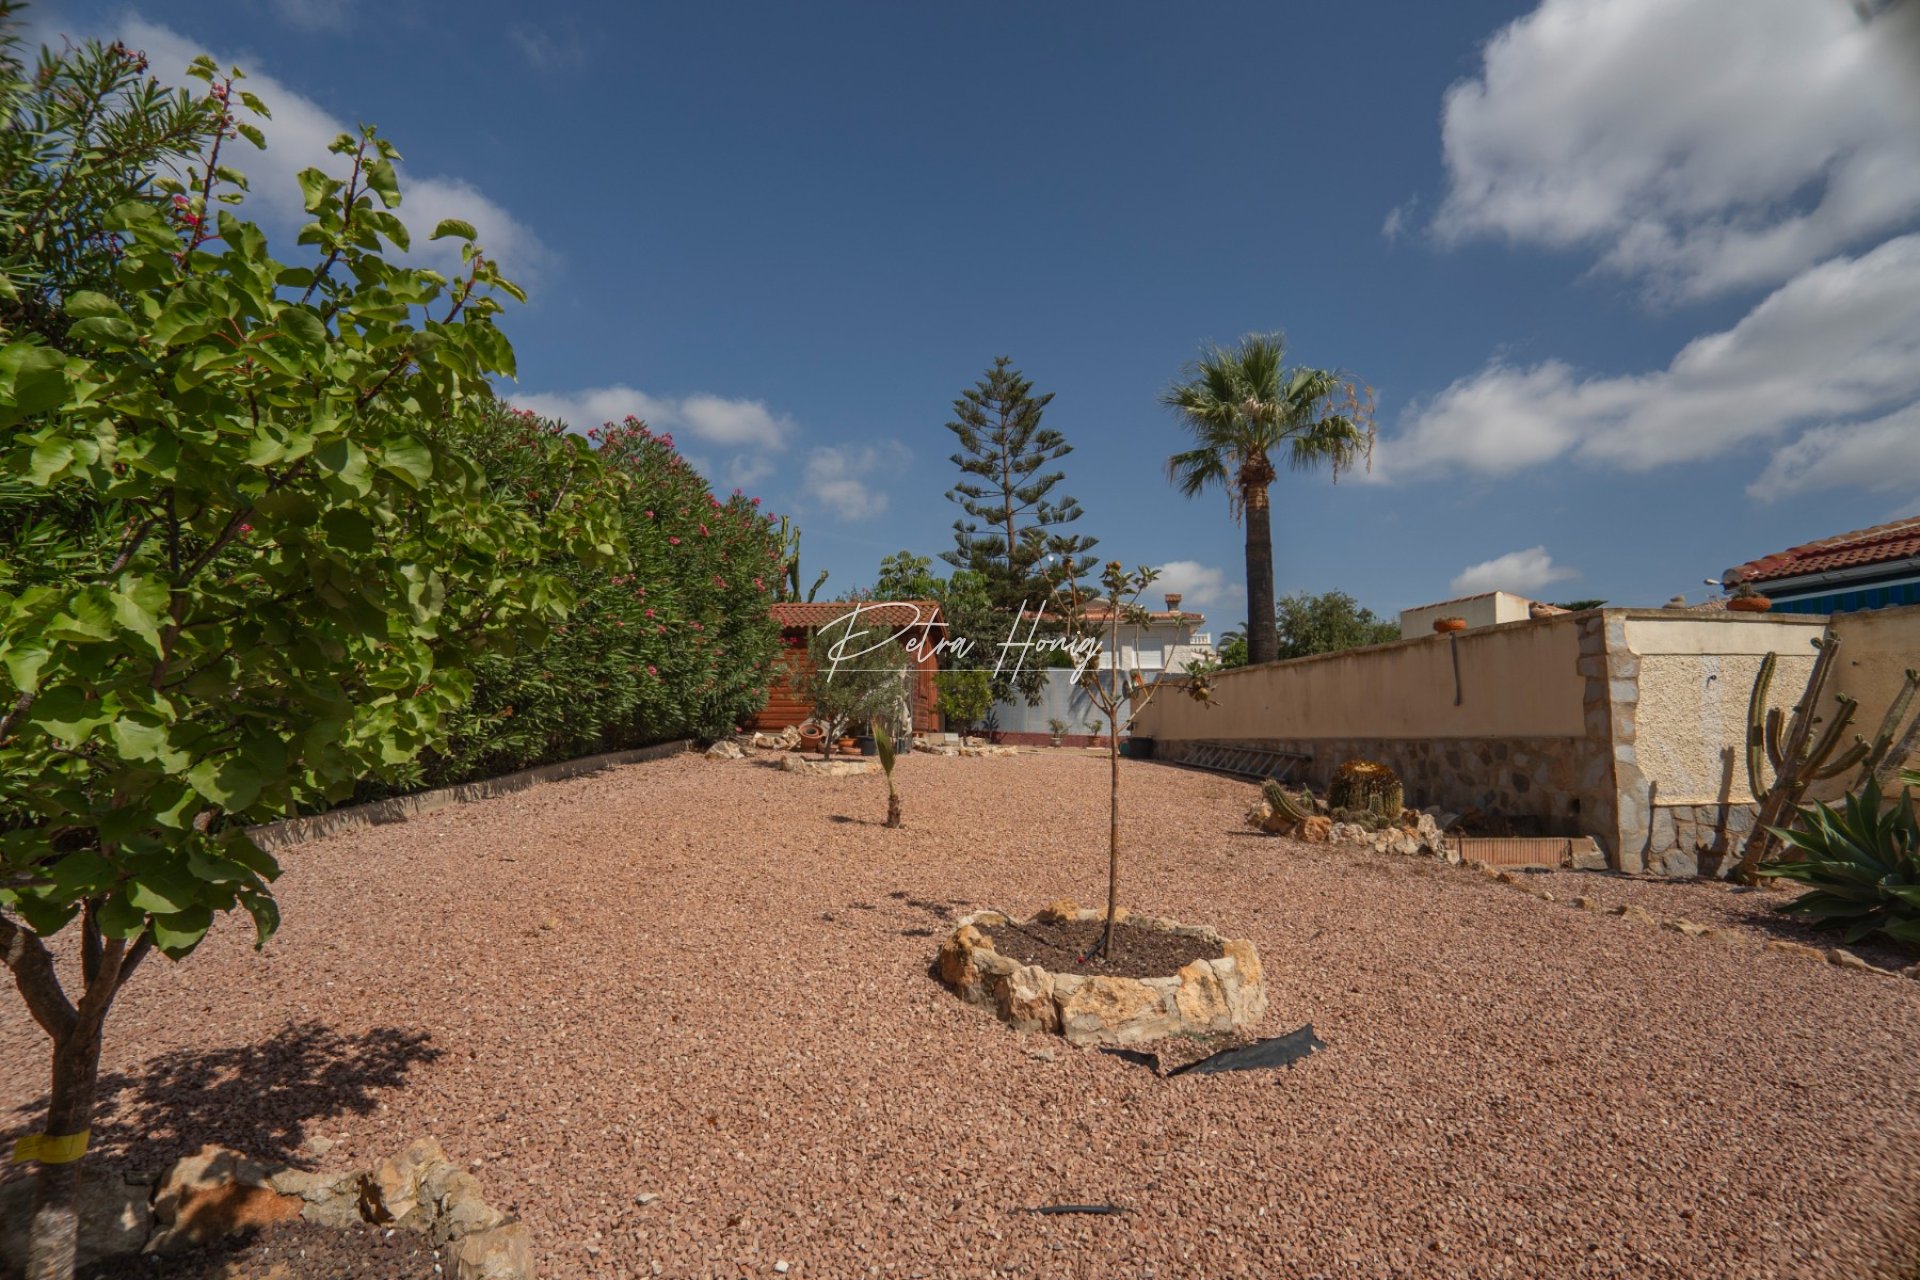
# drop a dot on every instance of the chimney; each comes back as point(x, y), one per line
point(1173, 602)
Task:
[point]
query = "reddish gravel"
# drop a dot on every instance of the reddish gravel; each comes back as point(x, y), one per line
point(709, 981)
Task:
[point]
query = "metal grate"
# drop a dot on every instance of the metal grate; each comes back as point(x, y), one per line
point(1246, 762)
point(1517, 851)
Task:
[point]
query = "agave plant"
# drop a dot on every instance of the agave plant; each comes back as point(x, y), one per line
point(1862, 861)
point(883, 742)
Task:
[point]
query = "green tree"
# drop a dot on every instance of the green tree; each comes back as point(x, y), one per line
point(301, 564)
point(905, 576)
point(1245, 409)
point(1327, 623)
point(1233, 648)
point(1015, 517)
point(965, 697)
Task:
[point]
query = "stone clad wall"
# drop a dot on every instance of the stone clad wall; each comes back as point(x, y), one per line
point(1550, 786)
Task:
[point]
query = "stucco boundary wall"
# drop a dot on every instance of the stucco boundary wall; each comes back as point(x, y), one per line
point(1626, 725)
point(292, 831)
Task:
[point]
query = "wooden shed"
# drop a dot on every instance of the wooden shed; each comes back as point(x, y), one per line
point(916, 623)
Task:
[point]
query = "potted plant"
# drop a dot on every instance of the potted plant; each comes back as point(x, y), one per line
point(1058, 727)
point(1444, 625)
point(1747, 600)
point(1094, 727)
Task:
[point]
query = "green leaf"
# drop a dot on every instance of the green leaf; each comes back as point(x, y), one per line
point(304, 326)
point(105, 331)
point(86, 305)
point(315, 189)
point(163, 889)
point(119, 918)
point(69, 714)
point(251, 132)
point(453, 227)
point(231, 781)
point(409, 459)
point(178, 933)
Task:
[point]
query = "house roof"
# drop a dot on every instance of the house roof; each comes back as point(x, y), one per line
point(885, 613)
point(1100, 613)
point(1877, 544)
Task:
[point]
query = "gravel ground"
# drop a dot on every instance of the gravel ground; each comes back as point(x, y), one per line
point(709, 981)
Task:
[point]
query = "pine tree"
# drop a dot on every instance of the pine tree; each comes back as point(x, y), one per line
point(1015, 519)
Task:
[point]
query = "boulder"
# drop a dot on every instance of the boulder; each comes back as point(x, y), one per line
point(503, 1253)
point(1059, 911)
point(393, 1192)
point(1108, 1011)
point(213, 1193)
point(329, 1199)
point(1798, 949)
point(1202, 998)
point(725, 749)
point(1026, 995)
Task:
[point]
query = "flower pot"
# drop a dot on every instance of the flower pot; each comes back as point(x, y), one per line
point(1056, 740)
point(867, 744)
point(1444, 625)
point(1750, 604)
point(848, 746)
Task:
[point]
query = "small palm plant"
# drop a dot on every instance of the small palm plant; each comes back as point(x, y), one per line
point(1862, 861)
point(883, 742)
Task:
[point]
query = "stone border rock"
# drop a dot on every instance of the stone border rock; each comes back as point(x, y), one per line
point(829, 766)
point(217, 1192)
point(1205, 996)
point(292, 831)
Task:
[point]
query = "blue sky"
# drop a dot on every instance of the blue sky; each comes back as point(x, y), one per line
point(1637, 282)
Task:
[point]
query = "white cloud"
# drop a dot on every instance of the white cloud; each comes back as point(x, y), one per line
point(551, 48)
point(315, 15)
point(1201, 586)
point(1521, 572)
point(746, 431)
point(1839, 341)
point(1399, 220)
point(1879, 456)
point(1699, 146)
point(297, 138)
point(845, 478)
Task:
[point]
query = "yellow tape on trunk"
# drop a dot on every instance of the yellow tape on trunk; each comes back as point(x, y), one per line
point(48, 1149)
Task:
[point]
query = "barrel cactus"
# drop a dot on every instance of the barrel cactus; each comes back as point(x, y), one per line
point(1369, 786)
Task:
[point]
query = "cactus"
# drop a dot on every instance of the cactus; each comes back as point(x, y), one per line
point(790, 565)
point(1798, 756)
point(1284, 803)
point(1886, 756)
point(1366, 785)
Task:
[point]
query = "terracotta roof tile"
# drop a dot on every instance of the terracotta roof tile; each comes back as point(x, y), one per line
point(1879, 544)
point(887, 613)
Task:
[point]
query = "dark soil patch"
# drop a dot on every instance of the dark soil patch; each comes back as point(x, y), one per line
point(289, 1251)
point(1140, 953)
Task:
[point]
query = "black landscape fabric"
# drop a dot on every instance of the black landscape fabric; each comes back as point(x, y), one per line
point(1277, 1051)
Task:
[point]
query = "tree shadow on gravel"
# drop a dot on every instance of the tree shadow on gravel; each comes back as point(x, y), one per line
point(257, 1098)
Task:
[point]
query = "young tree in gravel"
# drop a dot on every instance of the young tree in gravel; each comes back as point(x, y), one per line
point(855, 672)
point(1243, 408)
point(299, 569)
point(1119, 693)
point(1015, 516)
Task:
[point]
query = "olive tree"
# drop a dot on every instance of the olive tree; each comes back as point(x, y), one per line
point(298, 564)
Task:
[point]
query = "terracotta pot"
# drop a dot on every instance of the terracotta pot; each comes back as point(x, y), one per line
point(1749, 604)
point(1444, 625)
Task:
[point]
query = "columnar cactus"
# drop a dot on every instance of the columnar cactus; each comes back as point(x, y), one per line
point(1799, 757)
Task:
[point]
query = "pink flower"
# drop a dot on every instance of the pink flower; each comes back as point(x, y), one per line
point(703, 531)
point(649, 613)
point(674, 541)
point(652, 670)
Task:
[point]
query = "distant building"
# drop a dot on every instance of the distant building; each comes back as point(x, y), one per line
point(1488, 609)
point(1872, 568)
point(1166, 641)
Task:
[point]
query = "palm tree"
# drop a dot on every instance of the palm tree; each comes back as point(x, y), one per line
point(1244, 408)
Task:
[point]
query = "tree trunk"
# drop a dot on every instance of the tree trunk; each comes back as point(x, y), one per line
point(1263, 640)
point(55, 1229)
point(893, 810)
point(1108, 944)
